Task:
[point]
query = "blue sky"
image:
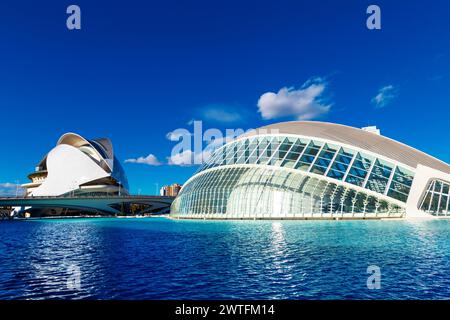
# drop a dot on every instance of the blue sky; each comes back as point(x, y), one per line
point(141, 69)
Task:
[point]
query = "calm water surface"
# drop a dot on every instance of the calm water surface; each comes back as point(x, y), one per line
point(158, 258)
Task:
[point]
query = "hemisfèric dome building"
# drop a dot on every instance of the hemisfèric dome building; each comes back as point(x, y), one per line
point(316, 170)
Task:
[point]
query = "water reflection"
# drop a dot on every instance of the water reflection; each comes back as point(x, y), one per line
point(165, 259)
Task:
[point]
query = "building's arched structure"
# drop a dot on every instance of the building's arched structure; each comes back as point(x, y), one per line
point(315, 170)
point(78, 166)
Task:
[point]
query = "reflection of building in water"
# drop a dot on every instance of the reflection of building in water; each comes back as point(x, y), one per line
point(170, 191)
point(316, 170)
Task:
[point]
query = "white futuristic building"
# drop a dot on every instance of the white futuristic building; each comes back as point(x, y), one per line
point(77, 166)
point(316, 170)
point(80, 177)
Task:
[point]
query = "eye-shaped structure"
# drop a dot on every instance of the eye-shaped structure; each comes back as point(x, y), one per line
point(315, 170)
point(80, 167)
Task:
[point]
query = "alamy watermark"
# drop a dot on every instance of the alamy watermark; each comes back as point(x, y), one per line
point(197, 147)
point(373, 22)
point(374, 280)
point(73, 21)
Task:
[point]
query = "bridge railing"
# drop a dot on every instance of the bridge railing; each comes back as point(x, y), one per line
point(89, 197)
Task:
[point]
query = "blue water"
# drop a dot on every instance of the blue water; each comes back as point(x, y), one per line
point(158, 258)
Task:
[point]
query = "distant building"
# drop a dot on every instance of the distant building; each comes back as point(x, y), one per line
point(170, 191)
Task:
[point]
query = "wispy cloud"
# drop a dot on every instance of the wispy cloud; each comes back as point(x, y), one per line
point(221, 113)
point(385, 96)
point(150, 160)
point(8, 189)
point(305, 103)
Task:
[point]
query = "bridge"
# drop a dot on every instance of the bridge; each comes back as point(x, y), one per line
point(102, 205)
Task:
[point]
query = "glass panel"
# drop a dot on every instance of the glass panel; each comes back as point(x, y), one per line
point(345, 156)
point(267, 151)
point(403, 176)
point(436, 200)
point(360, 166)
point(377, 183)
point(437, 186)
point(358, 172)
point(434, 203)
point(446, 189)
point(310, 153)
point(426, 202)
point(318, 169)
point(382, 168)
point(339, 175)
point(294, 153)
point(355, 180)
point(243, 152)
point(398, 195)
point(280, 153)
point(284, 148)
point(299, 145)
point(399, 187)
point(302, 166)
point(254, 151)
point(328, 151)
point(341, 163)
point(443, 204)
point(339, 166)
point(308, 157)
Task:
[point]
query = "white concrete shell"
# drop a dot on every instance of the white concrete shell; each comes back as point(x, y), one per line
point(79, 166)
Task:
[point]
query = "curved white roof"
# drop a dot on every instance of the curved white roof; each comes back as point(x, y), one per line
point(359, 138)
point(78, 141)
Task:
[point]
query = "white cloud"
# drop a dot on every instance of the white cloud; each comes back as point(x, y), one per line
point(150, 160)
point(385, 95)
point(305, 103)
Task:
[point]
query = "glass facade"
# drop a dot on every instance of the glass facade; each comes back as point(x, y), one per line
point(119, 175)
point(252, 192)
point(249, 180)
point(436, 198)
point(317, 157)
